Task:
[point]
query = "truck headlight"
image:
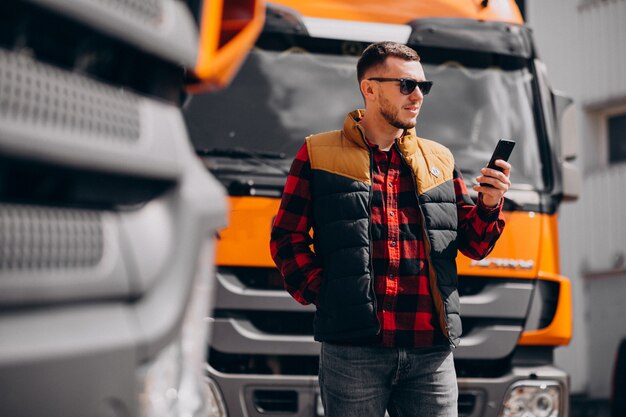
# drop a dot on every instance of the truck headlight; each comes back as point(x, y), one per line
point(533, 399)
point(173, 384)
point(215, 403)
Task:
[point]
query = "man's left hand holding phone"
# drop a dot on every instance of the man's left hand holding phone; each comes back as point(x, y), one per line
point(494, 179)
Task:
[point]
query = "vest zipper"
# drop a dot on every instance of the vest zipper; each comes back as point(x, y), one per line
point(369, 228)
point(369, 235)
point(427, 243)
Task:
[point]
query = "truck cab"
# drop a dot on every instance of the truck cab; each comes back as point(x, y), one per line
point(489, 83)
point(107, 217)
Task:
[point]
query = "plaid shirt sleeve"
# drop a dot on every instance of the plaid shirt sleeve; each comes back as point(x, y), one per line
point(479, 226)
point(290, 239)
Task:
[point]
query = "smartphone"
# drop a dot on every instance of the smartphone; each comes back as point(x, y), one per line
point(503, 151)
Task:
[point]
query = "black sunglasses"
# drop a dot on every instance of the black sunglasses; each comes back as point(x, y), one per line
point(407, 85)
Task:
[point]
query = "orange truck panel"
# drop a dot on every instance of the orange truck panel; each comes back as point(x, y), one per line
point(400, 11)
point(528, 238)
point(228, 31)
point(512, 257)
point(246, 241)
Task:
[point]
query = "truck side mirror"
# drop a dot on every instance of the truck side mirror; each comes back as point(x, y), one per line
point(566, 119)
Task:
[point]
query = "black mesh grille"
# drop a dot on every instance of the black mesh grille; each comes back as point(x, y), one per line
point(49, 238)
point(233, 363)
point(257, 278)
point(44, 96)
point(550, 297)
point(236, 363)
point(275, 401)
point(274, 322)
point(270, 279)
point(466, 404)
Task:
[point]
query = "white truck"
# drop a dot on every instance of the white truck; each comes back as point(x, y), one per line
point(107, 218)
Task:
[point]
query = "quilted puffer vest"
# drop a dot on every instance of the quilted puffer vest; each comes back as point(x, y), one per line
point(341, 163)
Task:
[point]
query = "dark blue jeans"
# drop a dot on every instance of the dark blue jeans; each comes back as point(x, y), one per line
point(361, 381)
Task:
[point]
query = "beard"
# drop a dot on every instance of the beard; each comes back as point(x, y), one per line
point(390, 114)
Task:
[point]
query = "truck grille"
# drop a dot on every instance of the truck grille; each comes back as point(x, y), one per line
point(42, 95)
point(257, 323)
point(466, 404)
point(257, 278)
point(137, 45)
point(275, 401)
point(550, 300)
point(49, 238)
point(274, 322)
point(270, 279)
point(263, 364)
point(150, 11)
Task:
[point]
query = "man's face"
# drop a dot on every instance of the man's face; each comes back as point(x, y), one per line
point(399, 110)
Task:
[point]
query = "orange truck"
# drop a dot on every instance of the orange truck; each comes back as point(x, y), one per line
point(107, 217)
point(489, 83)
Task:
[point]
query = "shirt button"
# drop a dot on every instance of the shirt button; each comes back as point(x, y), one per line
point(388, 306)
point(393, 243)
point(391, 276)
point(391, 184)
point(392, 214)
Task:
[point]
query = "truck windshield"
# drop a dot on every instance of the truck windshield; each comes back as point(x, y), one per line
point(279, 98)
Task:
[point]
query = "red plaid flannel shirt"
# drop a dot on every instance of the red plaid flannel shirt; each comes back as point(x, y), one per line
point(405, 305)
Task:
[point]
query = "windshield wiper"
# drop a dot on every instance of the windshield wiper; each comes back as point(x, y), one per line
point(238, 152)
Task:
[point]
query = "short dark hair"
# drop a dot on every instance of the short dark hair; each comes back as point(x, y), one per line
point(376, 53)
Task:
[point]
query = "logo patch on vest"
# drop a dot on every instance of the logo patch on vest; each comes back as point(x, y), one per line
point(435, 171)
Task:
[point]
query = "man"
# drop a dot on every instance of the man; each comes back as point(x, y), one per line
point(388, 211)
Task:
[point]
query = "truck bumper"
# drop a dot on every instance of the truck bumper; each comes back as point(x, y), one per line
point(298, 396)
